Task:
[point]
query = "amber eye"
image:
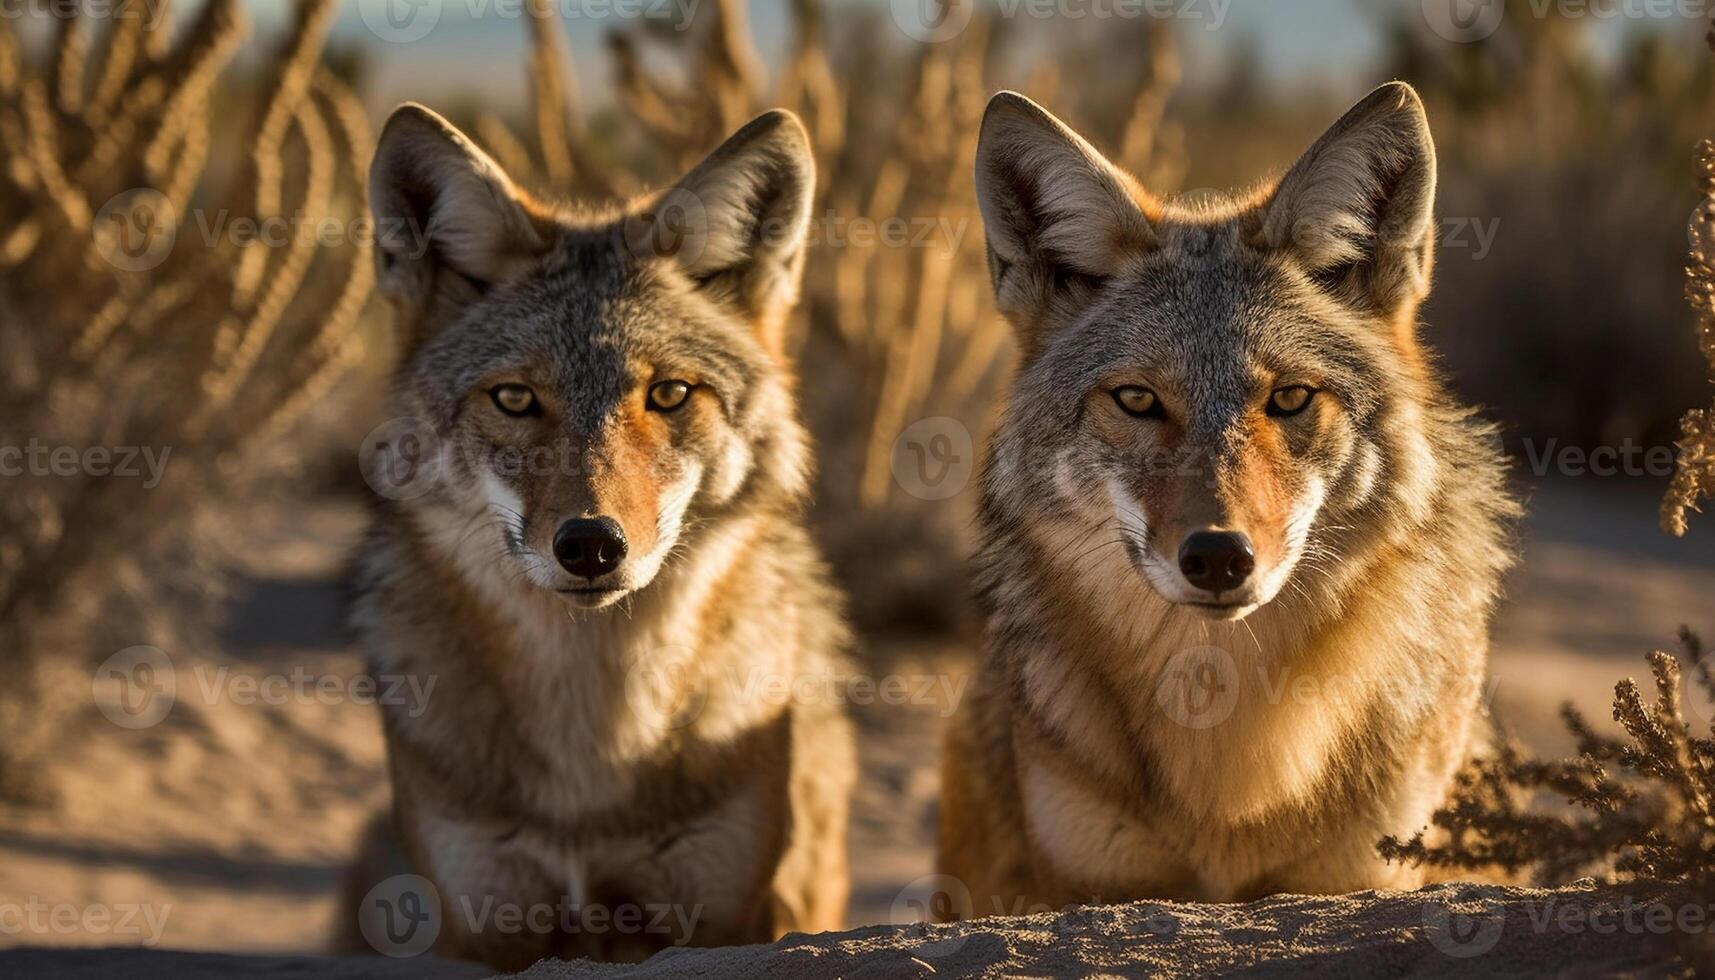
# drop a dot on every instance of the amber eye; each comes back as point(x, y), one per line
point(1138, 402)
point(515, 400)
point(665, 396)
point(1290, 401)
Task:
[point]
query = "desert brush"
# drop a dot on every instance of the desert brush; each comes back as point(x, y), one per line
point(136, 311)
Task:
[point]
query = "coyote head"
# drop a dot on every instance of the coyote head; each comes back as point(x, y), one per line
point(1218, 388)
point(600, 383)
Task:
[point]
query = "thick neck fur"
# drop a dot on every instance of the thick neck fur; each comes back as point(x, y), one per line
point(677, 609)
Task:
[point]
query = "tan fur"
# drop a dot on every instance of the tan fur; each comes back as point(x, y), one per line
point(1121, 741)
point(618, 751)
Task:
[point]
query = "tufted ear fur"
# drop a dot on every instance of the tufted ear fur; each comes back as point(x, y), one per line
point(1357, 211)
point(449, 223)
point(739, 222)
point(1059, 218)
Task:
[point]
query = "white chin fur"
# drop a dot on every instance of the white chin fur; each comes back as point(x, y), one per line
point(668, 526)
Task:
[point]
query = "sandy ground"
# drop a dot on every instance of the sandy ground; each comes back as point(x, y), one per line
point(1447, 931)
point(226, 826)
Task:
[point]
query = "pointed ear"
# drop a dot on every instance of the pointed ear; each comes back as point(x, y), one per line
point(448, 221)
point(1358, 210)
point(1059, 218)
point(739, 222)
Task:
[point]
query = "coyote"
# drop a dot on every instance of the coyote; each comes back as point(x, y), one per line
point(604, 558)
point(1240, 545)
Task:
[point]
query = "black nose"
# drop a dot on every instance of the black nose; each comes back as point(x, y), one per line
point(590, 547)
point(1217, 560)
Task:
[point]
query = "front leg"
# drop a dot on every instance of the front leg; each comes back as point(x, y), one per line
point(500, 896)
point(983, 862)
point(1088, 846)
point(705, 883)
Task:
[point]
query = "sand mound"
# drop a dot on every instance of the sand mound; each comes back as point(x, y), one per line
point(1441, 931)
point(1446, 930)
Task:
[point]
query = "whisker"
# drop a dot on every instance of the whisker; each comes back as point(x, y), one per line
point(1098, 547)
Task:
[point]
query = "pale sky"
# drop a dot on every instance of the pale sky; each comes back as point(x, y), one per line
point(473, 48)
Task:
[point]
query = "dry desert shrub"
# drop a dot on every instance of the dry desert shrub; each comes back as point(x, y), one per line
point(139, 315)
point(1640, 805)
point(1695, 478)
